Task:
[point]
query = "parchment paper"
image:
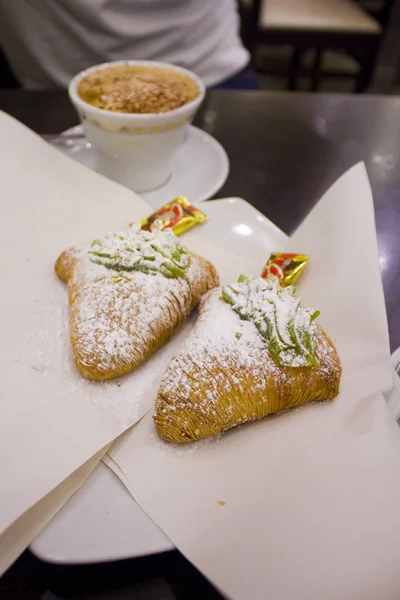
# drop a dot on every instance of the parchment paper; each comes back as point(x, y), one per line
point(311, 496)
point(20, 534)
point(52, 420)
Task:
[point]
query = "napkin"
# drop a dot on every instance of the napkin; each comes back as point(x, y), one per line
point(302, 504)
point(52, 420)
point(22, 531)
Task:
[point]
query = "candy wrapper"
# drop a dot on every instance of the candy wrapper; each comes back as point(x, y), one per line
point(286, 267)
point(179, 215)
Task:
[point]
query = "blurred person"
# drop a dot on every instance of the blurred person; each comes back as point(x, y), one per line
point(47, 42)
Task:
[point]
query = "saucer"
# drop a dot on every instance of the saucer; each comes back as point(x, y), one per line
point(200, 168)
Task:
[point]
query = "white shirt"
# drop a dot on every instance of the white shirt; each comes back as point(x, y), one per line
point(48, 41)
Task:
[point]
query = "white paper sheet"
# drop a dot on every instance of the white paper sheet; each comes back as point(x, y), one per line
point(52, 420)
point(21, 533)
point(311, 496)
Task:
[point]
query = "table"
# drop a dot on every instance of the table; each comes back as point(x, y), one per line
point(285, 151)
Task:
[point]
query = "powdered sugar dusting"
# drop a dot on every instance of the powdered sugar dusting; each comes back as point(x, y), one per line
point(136, 249)
point(286, 326)
point(218, 336)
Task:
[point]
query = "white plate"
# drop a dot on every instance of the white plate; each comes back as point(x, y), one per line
point(200, 168)
point(102, 522)
point(394, 398)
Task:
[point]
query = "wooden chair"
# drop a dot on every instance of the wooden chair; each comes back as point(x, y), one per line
point(318, 24)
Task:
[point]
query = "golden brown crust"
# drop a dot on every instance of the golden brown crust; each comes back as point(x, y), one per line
point(64, 263)
point(118, 320)
point(212, 386)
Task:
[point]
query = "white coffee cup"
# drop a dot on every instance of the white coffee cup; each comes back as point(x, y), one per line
point(136, 150)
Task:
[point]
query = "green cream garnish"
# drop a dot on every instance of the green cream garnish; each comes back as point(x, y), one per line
point(286, 326)
point(157, 252)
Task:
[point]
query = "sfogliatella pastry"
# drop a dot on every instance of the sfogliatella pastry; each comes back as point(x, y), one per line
point(255, 350)
point(128, 292)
